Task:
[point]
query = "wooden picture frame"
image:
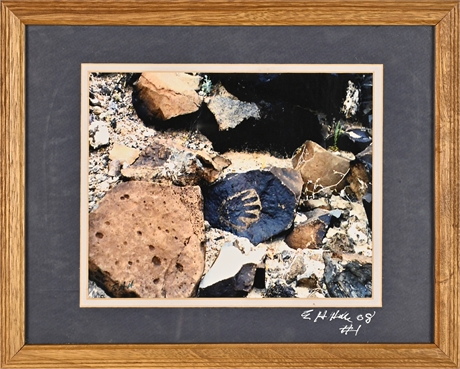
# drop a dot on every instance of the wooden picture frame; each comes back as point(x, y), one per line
point(442, 15)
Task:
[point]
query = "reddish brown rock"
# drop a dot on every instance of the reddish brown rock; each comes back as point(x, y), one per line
point(145, 240)
point(358, 179)
point(320, 169)
point(310, 234)
point(212, 166)
point(167, 95)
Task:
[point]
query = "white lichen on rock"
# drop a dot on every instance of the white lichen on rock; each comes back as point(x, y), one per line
point(351, 103)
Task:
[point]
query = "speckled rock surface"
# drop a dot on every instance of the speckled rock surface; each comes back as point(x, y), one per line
point(229, 111)
point(145, 240)
point(352, 279)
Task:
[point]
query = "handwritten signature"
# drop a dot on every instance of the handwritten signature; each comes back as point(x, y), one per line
point(356, 322)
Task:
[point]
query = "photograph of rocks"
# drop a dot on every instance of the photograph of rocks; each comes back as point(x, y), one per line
point(211, 185)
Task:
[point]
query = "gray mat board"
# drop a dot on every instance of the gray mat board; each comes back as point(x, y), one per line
point(54, 55)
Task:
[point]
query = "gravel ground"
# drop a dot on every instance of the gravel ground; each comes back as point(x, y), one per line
point(111, 111)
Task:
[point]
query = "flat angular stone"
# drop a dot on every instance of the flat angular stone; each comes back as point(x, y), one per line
point(310, 234)
point(232, 274)
point(99, 134)
point(229, 111)
point(123, 154)
point(167, 95)
point(256, 205)
point(291, 178)
point(216, 238)
point(320, 169)
point(145, 240)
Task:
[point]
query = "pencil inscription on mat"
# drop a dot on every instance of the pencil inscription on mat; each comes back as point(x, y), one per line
point(348, 323)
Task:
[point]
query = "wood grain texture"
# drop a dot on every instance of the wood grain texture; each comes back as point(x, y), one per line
point(444, 15)
point(447, 184)
point(233, 356)
point(231, 12)
point(12, 185)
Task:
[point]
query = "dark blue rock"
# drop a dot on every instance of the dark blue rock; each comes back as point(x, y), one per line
point(235, 286)
point(365, 157)
point(280, 289)
point(354, 281)
point(256, 205)
point(354, 140)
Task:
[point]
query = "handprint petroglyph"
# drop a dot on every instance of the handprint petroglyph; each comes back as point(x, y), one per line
point(256, 204)
point(241, 210)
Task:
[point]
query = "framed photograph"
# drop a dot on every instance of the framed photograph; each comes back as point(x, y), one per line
point(283, 166)
point(137, 233)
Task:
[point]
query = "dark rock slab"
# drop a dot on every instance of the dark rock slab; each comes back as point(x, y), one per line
point(365, 157)
point(280, 289)
point(355, 279)
point(355, 140)
point(256, 205)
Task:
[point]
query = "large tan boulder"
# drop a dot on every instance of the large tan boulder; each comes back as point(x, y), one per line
point(146, 240)
point(167, 95)
point(321, 169)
